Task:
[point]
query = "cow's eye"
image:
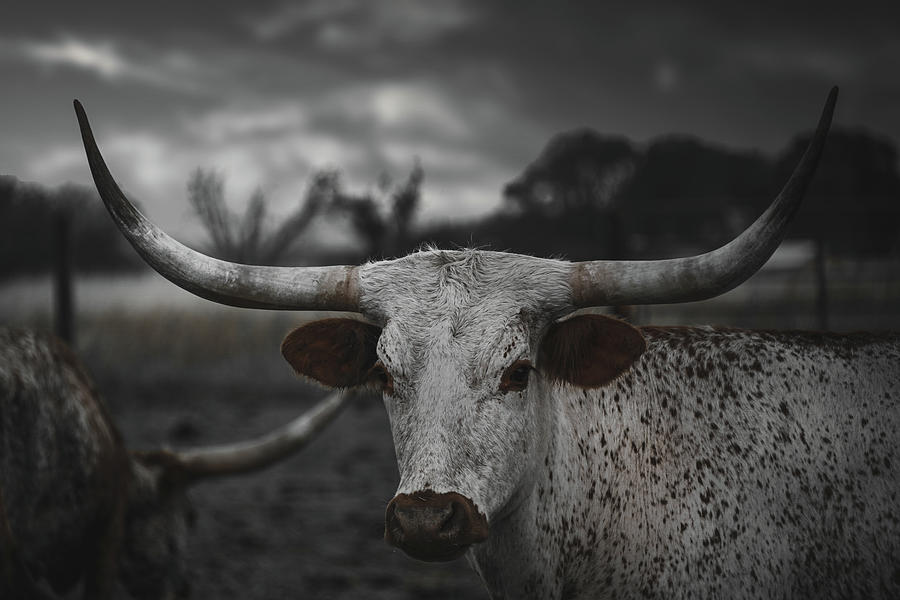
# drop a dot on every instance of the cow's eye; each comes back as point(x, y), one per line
point(515, 378)
point(380, 377)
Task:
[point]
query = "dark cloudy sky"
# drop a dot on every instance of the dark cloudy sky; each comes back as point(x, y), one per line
point(268, 91)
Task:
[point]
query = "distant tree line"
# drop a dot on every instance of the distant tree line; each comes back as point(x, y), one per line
point(586, 195)
point(854, 200)
point(31, 215)
point(30, 218)
point(680, 194)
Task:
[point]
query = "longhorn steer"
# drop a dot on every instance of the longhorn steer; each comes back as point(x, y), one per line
point(575, 456)
point(75, 504)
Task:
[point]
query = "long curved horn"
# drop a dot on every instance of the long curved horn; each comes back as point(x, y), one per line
point(249, 286)
point(604, 283)
point(258, 454)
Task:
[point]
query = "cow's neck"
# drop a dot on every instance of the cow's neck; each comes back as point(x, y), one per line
point(568, 538)
point(521, 557)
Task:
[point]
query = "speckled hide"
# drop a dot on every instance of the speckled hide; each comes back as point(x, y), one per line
point(723, 464)
point(76, 505)
point(60, 461)
point(718, 464)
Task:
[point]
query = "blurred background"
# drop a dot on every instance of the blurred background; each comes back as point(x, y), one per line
point(336, 131)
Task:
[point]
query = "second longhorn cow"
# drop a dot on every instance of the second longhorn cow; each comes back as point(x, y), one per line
point(575, 456)
point(76, 505)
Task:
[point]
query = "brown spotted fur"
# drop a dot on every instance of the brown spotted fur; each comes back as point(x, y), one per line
point(67, 482)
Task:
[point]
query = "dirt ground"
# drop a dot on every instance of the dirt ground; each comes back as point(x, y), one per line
point(310, 527)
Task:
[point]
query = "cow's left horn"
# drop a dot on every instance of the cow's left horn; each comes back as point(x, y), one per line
point(216, 461)
point(604, 283)
point(249, 286)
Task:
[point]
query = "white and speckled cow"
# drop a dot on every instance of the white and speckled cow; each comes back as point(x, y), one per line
point(571, 455)
point(75, 505)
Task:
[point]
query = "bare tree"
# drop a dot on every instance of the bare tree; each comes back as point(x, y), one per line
point(405, 201)
point(206, 194)
point(318, 196)
point(382, 221)
point(243, 238)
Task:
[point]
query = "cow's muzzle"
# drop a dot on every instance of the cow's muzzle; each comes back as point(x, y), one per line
point(433, 527)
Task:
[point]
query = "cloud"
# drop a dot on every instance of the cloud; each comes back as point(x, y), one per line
point(353, 25)
point(102, 58)
point(666, 76)
point(289, 17)
point(420, 108)
point(114, 61)
point(274, 126)
point(220, 125)
point(277, 143)
point(785, 58)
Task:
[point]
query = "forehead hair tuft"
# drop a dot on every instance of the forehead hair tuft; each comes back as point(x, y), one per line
point(432, 285)
point(460, 272)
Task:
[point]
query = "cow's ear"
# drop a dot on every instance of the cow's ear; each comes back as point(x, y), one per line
point(338, 353)
point(589, 350)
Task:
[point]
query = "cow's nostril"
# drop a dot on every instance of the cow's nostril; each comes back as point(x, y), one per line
point(453, 520)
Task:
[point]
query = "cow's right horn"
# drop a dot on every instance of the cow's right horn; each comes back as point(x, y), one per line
point(249, 286)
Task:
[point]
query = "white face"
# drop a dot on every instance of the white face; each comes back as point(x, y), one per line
point(458, 346)
point(453, 339)
point(463, 408)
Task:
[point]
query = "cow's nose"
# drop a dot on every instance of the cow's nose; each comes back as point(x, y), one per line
point(433, 527)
